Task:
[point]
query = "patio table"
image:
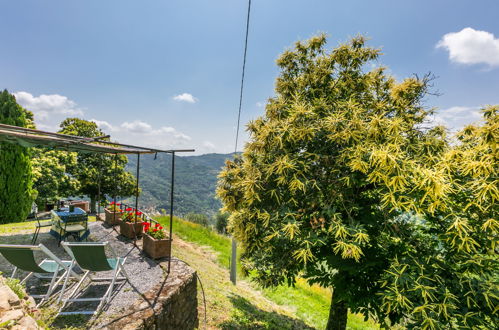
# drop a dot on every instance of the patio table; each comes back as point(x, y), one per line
point(66, 223)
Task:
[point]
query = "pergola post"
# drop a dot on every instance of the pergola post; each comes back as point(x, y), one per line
point(137, 187)
point(115, 186)
point(98, 189)
point(171, 210)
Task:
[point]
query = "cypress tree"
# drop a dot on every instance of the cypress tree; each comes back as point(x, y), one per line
point(16, 192)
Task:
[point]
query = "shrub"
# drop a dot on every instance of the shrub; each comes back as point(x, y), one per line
point(198, 218)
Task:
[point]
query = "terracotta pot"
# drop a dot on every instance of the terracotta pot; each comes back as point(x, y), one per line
point(112, 218)
point(156, 248)
point(131, 229)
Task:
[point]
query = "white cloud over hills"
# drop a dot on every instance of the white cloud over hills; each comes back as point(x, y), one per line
point(470, 46)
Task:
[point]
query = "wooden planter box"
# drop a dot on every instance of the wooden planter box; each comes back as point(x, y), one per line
point(131, 230)
point(156, 248)
point(111, 219)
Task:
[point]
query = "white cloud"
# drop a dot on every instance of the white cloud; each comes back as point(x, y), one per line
point(172, 131)
point(44, 106)
point(138, 132)
point(185, 97)
point(104, 125)
point(260, 104)
point(470, 46)
point(457, 117)
point(141, 133)
point(137, 126)
point(50, 110)
point(209, 145)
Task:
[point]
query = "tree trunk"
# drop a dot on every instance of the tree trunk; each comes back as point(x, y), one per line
point(338, 314)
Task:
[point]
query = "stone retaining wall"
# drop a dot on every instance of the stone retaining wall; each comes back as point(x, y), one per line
point(174, 303)
point(14, 311)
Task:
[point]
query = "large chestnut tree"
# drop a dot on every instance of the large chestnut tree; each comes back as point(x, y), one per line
point(346, 183)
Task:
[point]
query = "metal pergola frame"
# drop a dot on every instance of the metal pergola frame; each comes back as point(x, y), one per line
point(37, 138)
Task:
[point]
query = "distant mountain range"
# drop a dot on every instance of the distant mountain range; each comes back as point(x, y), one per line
point(195, 182)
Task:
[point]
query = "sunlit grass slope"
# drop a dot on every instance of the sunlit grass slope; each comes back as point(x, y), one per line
point(309, 304)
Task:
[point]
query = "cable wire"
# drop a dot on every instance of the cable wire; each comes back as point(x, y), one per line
point(242, 76)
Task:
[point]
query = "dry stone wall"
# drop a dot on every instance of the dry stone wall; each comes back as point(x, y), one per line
point(14, 312)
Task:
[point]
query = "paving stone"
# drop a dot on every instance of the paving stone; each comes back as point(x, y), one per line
point(4, 303)
point(12, 315)
point(26, 323)
point(7, 293)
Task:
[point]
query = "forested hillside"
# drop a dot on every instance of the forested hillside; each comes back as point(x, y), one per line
point(195, 182)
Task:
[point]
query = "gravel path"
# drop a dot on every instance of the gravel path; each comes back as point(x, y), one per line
point(144, 273)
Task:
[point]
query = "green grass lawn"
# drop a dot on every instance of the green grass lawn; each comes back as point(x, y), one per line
point(24, 227)
point(309, 303)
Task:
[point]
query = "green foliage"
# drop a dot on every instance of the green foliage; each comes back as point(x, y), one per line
point(16, 182)
point(221, 222)
point(201, 219)
point(92, 168)
point(450, 274)
point(342, 184)
point(49, 174)
point(15, 285)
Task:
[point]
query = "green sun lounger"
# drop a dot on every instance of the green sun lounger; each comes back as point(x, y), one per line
point(91, 257)
point(23, 257)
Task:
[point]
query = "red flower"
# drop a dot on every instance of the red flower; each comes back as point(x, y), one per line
point(112, 203)
point(138, 213)
point(160, 227)
point(118, 204)
point(155, 230)
point(129, 209)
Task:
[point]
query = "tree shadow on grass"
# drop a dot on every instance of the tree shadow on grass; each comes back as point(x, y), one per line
point(248, 316)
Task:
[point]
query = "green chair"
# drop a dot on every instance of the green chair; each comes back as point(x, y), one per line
point(23, 257)
point(91, 257)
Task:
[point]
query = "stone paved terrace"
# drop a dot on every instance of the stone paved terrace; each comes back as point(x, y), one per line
point(153, 299)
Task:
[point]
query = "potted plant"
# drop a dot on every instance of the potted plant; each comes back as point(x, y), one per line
point(129, 227)
point(113, 214)
point(156, 242)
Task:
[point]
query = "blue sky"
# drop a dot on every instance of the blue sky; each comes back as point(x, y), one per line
point(167, 73)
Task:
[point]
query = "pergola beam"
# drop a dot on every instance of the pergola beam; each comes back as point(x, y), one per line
point(15, 134)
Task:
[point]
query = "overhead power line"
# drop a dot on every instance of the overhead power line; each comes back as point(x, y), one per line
point(233, 263)
point(242, 75)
